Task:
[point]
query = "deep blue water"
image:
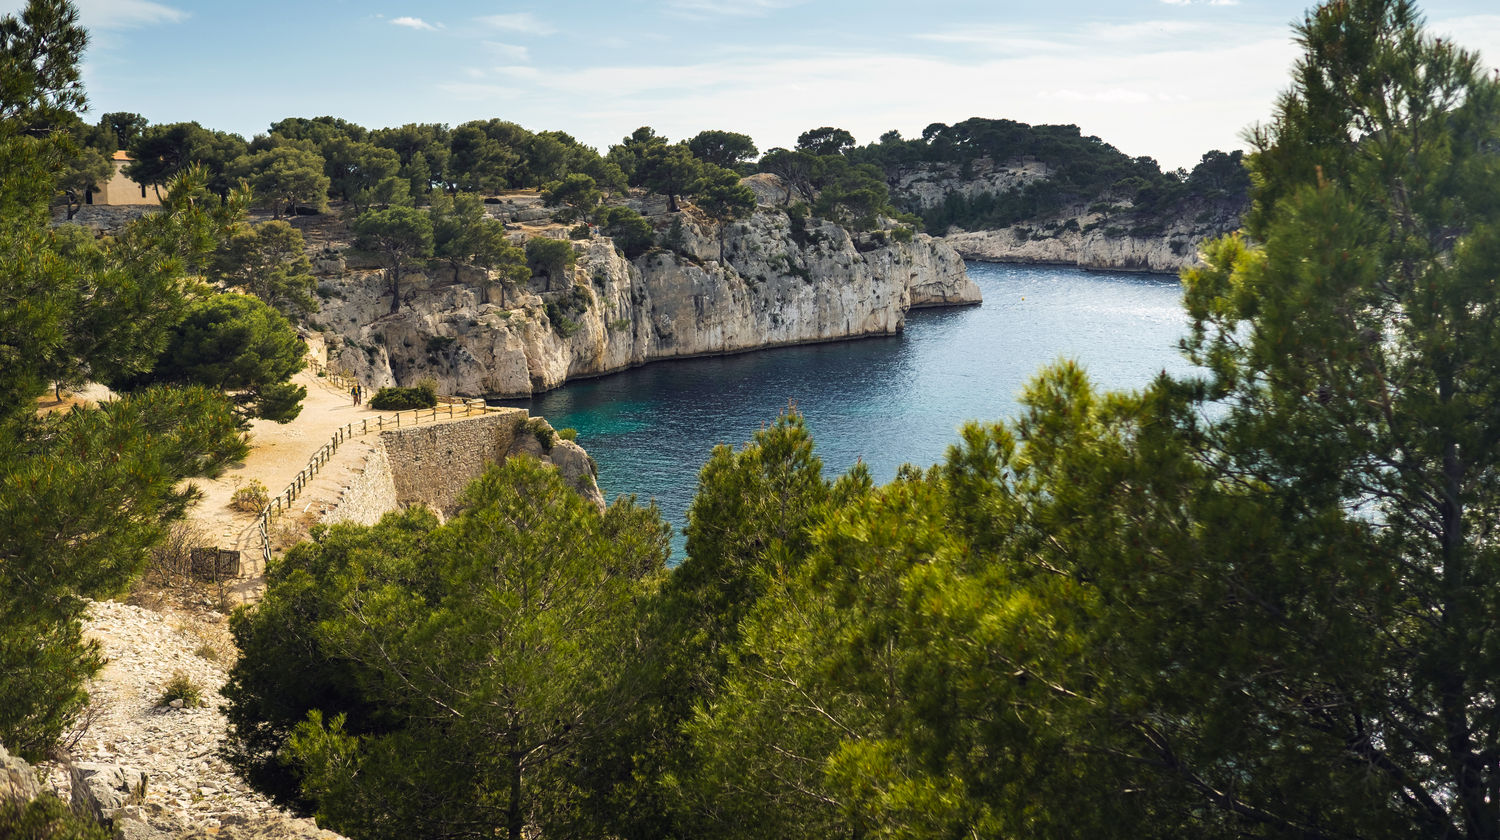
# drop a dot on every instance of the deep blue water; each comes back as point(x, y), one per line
point(889, 400)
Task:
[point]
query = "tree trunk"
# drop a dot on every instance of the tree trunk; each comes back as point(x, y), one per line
point(513, 816)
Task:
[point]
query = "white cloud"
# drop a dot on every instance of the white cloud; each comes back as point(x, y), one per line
point(126, 14)
point(524, 22)
point(1089, 39)
point(414, 23)
point(1171, 103)
point(507, 52)
point(1473, 32)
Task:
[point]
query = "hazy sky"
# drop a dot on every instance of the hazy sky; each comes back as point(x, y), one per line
point(1165, 78)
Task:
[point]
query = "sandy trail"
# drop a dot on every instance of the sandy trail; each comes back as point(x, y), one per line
point(277, 453)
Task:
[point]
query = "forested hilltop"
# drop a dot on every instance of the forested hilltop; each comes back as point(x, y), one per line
point(1042, 183)
point(1259, 602)
point(987, 173)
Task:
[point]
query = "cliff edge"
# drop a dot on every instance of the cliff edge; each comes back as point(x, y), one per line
point(768, 280)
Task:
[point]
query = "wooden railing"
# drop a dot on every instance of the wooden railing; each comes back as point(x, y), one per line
point(450, 407)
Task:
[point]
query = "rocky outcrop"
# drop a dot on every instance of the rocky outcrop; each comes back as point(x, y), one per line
point(1094, 249)
point(764, 281)
point(1087, 240)
point(930, 185)
point(18, 780)
point(1127, 239)
point(101, 790)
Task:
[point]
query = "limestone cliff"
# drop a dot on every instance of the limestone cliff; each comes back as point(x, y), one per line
point(1088, 240)
point(1103, 231)
point(763, 281)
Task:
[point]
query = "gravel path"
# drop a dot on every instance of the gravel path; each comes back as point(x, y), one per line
point(187, 782)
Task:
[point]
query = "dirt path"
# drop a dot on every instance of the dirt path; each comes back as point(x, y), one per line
point(277, 454)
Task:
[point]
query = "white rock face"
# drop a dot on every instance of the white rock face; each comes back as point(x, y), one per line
point(1074, 236)
point(1091, 249)
point(755, 283)
point(930, 184)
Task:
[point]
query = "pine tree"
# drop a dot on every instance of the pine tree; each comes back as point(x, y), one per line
point(83, 494)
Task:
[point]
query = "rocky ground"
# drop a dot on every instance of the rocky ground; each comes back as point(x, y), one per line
point(174, 627)
point(190, 790)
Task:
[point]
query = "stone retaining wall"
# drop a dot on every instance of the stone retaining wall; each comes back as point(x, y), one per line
point(432, 465)
point(370, 496)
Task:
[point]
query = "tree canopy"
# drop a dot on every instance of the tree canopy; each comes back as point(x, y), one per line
point(84, 494)
point(241, 346)
point(479, 655)
point(268, 260)
point(722, 148)
point(401, 236)
point(464, 234)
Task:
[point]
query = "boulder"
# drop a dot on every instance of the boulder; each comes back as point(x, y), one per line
point(100, 790)
point(578, 469)
point(770, 190)
point(17, 779)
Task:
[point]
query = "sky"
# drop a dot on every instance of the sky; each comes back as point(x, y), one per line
point(1166, 78)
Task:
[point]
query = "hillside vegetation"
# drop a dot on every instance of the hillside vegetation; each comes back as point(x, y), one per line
point(1260, 601)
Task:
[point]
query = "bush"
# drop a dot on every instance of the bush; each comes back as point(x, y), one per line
point(251, 498)
point(580, 231)
point(181, 687)
point(47, 817)
point(568, 434)
point(552, 257)
point(539, 429)
point(632, 234)
point(391, 398)
point(171, 562)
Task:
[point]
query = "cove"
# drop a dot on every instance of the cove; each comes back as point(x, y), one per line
point(887, 400)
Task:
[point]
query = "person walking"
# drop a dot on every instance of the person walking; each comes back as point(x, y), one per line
point(354, 392)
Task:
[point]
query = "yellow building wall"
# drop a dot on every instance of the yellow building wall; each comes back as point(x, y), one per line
point(122, 190)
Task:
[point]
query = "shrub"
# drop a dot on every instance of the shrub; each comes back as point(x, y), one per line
point(552, 257)
point(564, 312)
point(171, 562)
point(568, 434)
point(632, 234)
point(391, 398)
point(579, 231)
point(565, 326)
point(47, 817)
point(538, 428)
point(251, 498)
point(207, 651)
point(675, 238)
point(181, 687)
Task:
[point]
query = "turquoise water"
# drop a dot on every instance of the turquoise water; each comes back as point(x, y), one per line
point(887, 401)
